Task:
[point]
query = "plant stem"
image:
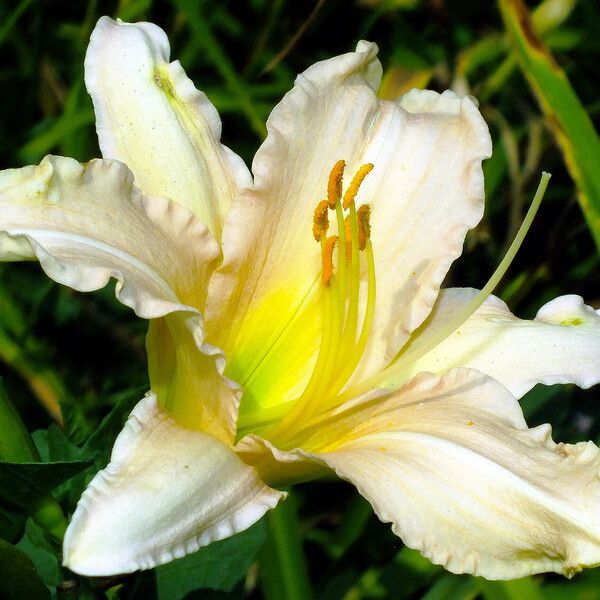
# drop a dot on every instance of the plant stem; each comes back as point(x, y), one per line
point(282, 565)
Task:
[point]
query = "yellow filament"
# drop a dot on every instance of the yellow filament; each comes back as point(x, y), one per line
point(344, 343)
point(357, 180)
point(343, 340)
point(334, 185)
point(343, 245)
point(320, 221)
point(349, 335)
point(348, 237)
point(353, 359)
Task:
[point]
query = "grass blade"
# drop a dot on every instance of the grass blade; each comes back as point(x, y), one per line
point(562, 108)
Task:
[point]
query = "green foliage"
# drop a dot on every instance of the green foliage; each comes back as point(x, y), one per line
point(73, 365)
point(562, 108)
point(18, 576)
point(219, 566)
point(43, 554)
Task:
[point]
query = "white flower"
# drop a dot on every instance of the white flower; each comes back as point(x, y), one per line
point(274, 358)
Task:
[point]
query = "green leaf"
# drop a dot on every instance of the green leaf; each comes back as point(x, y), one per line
point(23, 484)
point(25, 489)
point(15, 442)
point(18, 577)
point(35, 544)
point(562, 108)
point(456, 587)
point(102, 440)
point(219, 566)
point(9, 23)
point(54, 446)
point(585, 586)
point(527, 587)
point(11, 524)
point(57, 129)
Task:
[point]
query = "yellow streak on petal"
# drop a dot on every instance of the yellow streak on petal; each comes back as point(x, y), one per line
point(572, 322)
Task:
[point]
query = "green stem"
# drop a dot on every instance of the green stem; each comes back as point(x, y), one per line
point(282, 565)
point(352, 526)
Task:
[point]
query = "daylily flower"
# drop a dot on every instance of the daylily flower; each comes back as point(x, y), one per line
point(275, 358)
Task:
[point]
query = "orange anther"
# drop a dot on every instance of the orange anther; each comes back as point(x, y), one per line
point(327, 273)
point(334, 185)
point(363, 215)
point(357, 180)
point(320, 220)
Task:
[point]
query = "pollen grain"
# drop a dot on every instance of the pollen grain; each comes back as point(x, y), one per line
point(357, 180)
point(327, 272)
point(320, 220)
point(363, 215)
point(334, 185)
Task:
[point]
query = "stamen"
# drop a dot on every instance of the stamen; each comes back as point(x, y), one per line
point(342, 250)
point(351, 361)
point(344, 338)
point(348, 229)
point(354, 283)
point(320, 220)
point(327, 272)
point(334, 185)
point(352, 190)
point(363, 214)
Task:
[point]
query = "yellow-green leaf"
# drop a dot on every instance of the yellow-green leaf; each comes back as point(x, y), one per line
point(562, 108)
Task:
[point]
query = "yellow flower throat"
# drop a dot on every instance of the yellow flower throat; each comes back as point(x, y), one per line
point(346, 326)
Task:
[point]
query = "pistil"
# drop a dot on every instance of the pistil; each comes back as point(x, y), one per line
point(394, 374)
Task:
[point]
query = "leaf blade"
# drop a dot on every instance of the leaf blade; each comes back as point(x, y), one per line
point(572, 127)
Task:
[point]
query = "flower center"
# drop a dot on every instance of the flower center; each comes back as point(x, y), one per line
point(346, 257)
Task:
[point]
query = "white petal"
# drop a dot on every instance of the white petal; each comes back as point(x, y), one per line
point(427, 151)
point(166, 492)
point(427, 192)
point(271, 261)
point(561, 345)
point(87, 224)
point(150, 116)
point(452, 465)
